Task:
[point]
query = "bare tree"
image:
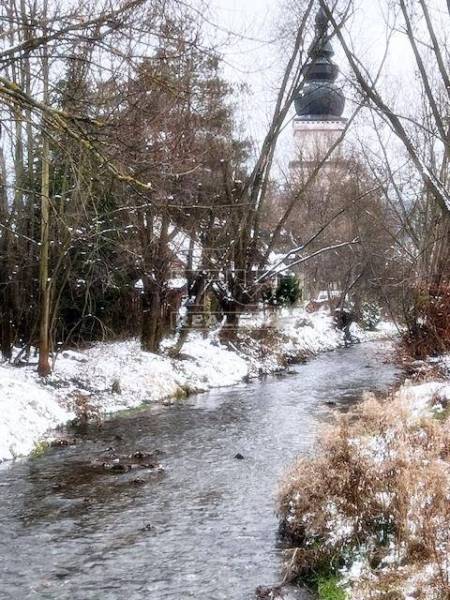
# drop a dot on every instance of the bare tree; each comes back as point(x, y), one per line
point(434, 178)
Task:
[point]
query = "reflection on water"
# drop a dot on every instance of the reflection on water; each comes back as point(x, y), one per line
point(206, 529)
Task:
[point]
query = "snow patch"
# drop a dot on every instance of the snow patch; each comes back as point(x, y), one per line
point(27, 411)
point(117, 376)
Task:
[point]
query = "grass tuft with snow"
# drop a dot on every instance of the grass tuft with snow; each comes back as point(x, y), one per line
point(372, 507)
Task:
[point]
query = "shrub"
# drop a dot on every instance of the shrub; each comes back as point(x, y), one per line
point(377, 494)
point(288, 292)
point(40, 448)
point(428, 322)
point(370, 315)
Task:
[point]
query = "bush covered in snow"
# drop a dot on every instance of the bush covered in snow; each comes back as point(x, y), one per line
point(372, 508)
point(370, 315)
point(289, 291)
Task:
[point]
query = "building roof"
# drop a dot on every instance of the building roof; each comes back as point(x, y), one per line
point(320, 98)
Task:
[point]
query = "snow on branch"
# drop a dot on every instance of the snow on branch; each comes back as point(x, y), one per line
point(276, 271)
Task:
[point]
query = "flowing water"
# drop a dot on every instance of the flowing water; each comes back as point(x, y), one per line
point(206, 528)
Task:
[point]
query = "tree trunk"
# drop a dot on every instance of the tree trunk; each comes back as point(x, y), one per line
point(230, 329)
point(6, 312)
point(152, 329)
point(44, 282)
point(6, 316)
point(195, 304)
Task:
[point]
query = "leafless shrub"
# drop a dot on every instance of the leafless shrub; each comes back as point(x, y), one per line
point(429, 328)
point(262, 342)
point(378, 490)
point(84, 410)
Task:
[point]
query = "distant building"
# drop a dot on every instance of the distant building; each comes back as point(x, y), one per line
point(319, 106)
point(317, 126)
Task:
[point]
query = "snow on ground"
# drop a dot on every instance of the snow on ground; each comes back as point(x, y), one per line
point(392, 536)
point(311, 333)
point(119, 375)
point(426, 398)
point(27, 411)
point(415, 401)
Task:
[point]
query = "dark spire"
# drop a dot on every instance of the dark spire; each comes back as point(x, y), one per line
point(320, 98)
point(321, 21)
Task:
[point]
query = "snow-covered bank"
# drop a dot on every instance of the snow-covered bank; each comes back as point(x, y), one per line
point(114, 376)
point(371, 509)
point(28, 410)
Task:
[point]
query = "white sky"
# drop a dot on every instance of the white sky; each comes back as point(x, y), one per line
point(257, 59)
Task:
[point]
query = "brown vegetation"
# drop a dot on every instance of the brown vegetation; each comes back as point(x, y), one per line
point(429, 324)
point(377, 491)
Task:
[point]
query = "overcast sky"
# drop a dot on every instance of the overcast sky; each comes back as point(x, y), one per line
point(253, 53)
point(254, 56)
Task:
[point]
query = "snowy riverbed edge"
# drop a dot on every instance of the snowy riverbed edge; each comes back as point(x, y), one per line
point(415, 402)
point(110, 377)
point(399, 449)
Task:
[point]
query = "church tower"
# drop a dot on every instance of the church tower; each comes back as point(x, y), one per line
point(320, 104)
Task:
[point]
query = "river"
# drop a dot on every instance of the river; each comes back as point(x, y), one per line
point(206, 528)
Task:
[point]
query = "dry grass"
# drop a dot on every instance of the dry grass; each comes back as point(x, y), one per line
point(378, 491)
point(84, 410)
point(261, 343)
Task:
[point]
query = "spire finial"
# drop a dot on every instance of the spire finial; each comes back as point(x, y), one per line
point(320, 98)
point(321, 21)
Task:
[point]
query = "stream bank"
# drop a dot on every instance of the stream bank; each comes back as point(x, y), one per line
point(111, 377)
point(206, 528)
point(367, 515)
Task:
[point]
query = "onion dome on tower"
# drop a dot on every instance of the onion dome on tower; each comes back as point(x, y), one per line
point(320, 99)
